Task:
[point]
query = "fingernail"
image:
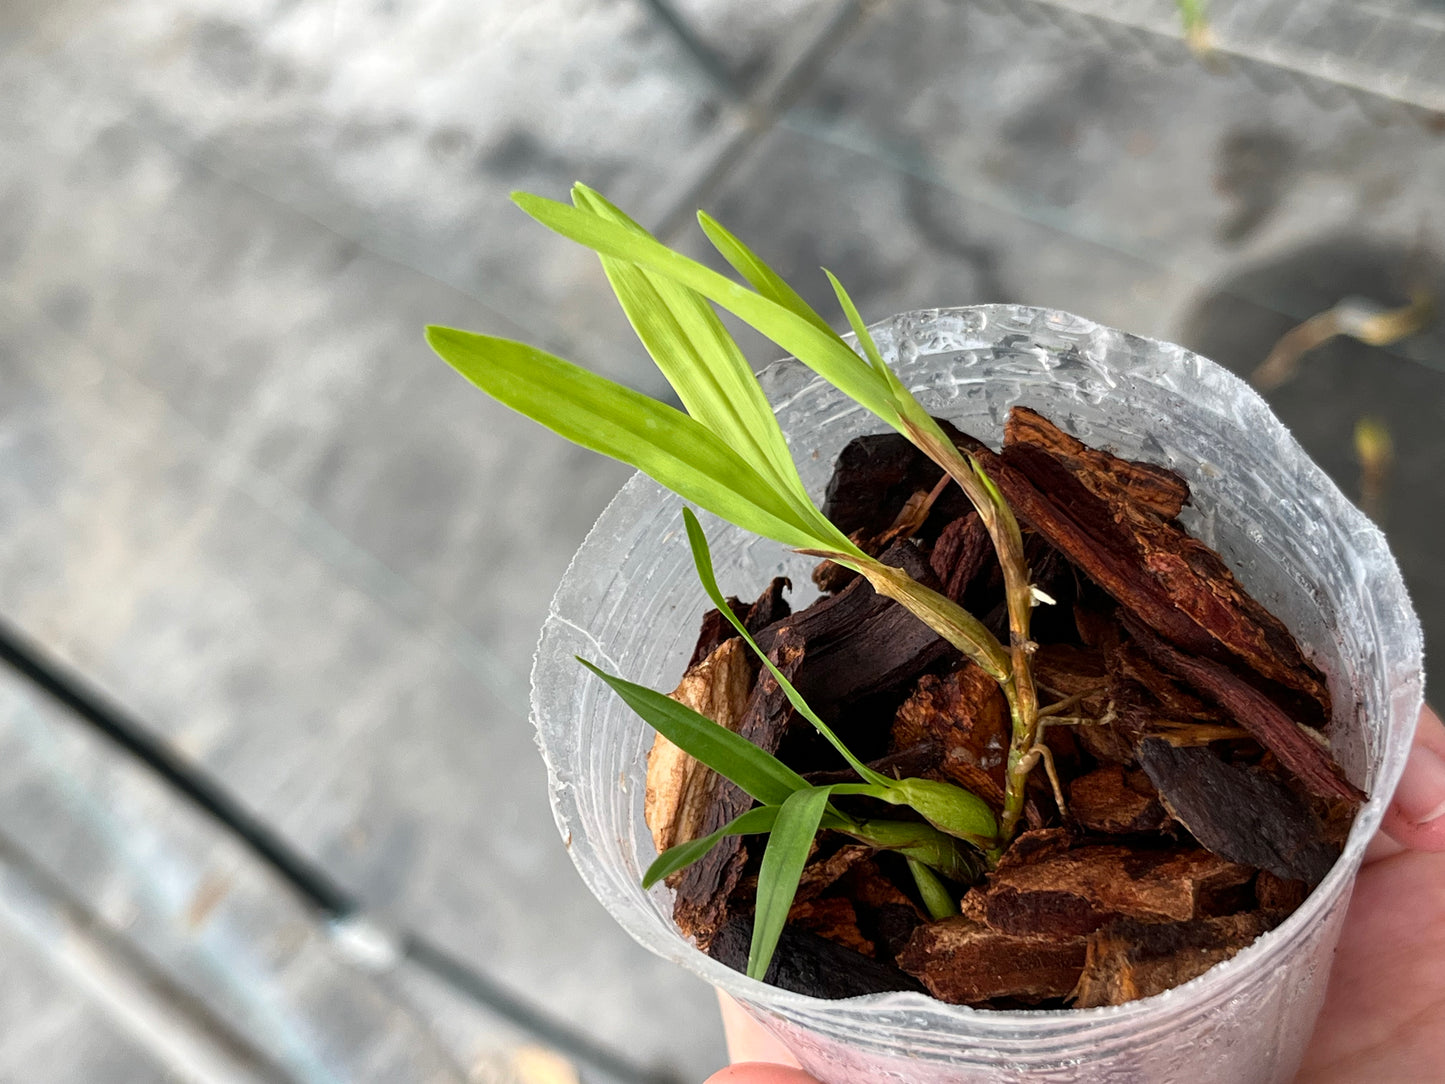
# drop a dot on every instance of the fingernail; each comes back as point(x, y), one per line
point(1420, 797)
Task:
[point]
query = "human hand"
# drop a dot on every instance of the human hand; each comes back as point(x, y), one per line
point(1383, 1013)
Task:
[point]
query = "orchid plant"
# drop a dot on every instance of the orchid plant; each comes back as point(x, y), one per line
point(726, 453)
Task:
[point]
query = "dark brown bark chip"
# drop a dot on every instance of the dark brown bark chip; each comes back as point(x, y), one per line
point(1297, 749)
point(1115, 801)
point(716, 630)
point(834, 918)
point(823, 869)
point(1279, 896)
point(874, 477)
point(701, 904)
point(808, 964)
point(860, 644)
point(770, 607)
point(1130, 960)
point(1087, 887)
point(963, 962)
point(1107, 476)
point(1239, 812)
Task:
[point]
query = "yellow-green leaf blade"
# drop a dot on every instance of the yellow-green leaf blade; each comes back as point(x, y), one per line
point(616, 421)
point(819, 350)
point(759, 275)
point(694, 351)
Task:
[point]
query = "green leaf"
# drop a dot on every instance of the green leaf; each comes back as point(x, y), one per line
point(759, 275)
point(702, 558)
point(753, 822)
point(822, 351)
point(860, 329)
point(946, 617)
point(606, 417)
point(759, 773)
point(922, 842)
point(950, 809)
point(936, 897)
point(700, 360)
point(783, 861)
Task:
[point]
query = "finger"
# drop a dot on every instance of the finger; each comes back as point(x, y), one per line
point(759, 1072)
point(749, 1041)
point(1416, 817)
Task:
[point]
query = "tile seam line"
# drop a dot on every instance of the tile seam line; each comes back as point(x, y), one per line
point(761, 112)
point(339, 910)
point(354, 564)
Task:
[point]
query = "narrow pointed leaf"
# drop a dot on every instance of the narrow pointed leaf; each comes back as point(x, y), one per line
point(819, 350)
point(946, 806)
point(946, 617)
point(606, 417)
point(787, 853)
point(936, 897)
point(922, 842)
point(860, 329)
point(700, 360)
point(759, 275)
point(950, 809)
point(752, 822)
point(757, 772)
point(702, 558)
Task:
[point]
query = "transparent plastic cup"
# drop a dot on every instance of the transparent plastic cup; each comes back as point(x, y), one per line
point(631, 602)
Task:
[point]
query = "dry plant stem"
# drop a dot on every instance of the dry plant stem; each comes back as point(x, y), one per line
point(1018, 688)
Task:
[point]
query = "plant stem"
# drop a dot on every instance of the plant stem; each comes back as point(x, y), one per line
point(1003, 530)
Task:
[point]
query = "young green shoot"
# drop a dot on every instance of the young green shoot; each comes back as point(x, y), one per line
point(726, 454)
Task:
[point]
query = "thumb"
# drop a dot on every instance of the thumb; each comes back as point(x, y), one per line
point(759, 1072)
point(1416, 817)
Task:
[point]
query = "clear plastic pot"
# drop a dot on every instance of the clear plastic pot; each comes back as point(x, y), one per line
point(631, 602)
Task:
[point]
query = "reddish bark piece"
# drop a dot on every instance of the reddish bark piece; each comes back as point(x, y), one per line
point(965, 717)
point(1087, 887)
point(1171, 582)
point(1107, 476)
point(1297, 749)
point(963, 962)
point(834, 918)
point(1064, 670)
point(1242, 813)
point(1130, 960)
point(886, 914)
point(821, 872)
point(1278, 895)
point(859, 643)
point(830, 577)
point(1116, 802)
point(809, 964)
point(703, 889)
point(1035, 846)
point(1127, 663)
point(962, 555)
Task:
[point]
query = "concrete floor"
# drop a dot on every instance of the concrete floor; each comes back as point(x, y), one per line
point(243, 498)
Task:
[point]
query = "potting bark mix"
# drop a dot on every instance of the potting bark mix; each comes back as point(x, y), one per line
point(1201, 802)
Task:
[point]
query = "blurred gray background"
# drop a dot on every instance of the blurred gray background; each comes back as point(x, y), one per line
point(243, 503)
